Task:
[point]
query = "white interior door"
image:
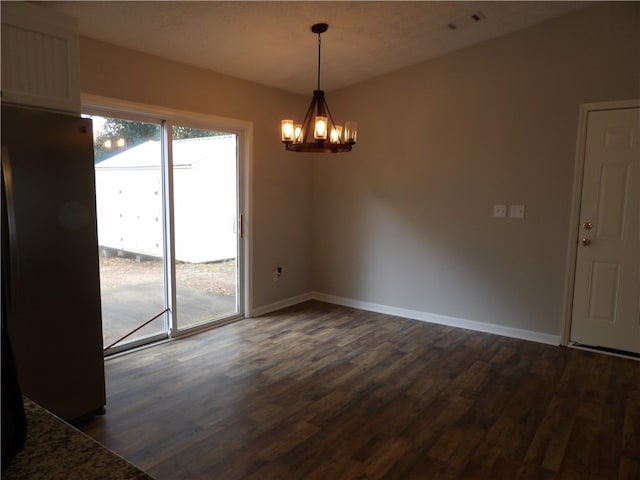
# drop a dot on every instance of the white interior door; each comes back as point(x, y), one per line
point(606, 303)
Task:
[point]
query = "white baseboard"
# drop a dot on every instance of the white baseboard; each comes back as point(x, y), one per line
point(287, 302)
point(413, 314)
point(441, 319)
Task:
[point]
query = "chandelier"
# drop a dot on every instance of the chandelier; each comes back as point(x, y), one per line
point(318, 132)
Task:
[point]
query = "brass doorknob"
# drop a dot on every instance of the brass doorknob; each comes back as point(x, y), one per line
point(586, 242)
point(587, 225)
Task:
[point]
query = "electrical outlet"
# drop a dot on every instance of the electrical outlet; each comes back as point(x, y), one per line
point(516, 211)
point(277, 273)
point(500, 211)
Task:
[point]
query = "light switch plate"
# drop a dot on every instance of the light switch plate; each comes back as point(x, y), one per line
point(500, 211)
point(516, 211)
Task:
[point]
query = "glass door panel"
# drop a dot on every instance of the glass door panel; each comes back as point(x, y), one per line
point(129, 203)
point(205, 207)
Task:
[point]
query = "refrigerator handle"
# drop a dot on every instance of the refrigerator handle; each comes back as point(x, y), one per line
point(9, 257)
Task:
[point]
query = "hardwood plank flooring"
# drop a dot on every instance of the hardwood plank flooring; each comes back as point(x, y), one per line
point(319, 391)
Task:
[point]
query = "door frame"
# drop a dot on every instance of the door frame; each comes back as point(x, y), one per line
point(576, 200)
point(244, 130)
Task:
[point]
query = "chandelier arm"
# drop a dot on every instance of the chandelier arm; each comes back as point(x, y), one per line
point(333, 123)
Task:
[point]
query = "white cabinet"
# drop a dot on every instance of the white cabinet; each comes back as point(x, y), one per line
point(40, 64)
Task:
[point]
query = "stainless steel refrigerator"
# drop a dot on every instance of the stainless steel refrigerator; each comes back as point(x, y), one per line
point(51, 277)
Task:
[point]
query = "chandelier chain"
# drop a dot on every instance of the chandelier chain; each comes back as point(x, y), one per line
point(319, 46)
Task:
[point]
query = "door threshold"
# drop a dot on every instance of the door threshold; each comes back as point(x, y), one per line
point(188, 333)
point(137, 348)
point(608, 351)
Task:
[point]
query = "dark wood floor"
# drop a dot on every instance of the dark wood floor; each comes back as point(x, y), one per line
point(320, 391)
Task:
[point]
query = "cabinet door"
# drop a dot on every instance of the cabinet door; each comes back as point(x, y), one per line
point(39, 57)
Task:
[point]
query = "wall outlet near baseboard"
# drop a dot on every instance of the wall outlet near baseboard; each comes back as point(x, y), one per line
point(277, 273)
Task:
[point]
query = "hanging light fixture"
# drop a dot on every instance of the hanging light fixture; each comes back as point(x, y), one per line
point(318, 132)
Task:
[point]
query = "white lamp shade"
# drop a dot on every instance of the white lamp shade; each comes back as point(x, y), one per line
point(287, 130)
point(350, 132)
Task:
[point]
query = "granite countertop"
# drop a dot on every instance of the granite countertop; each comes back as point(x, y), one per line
point(56, 450)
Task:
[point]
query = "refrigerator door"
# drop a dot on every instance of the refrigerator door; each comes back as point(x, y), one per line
point(54, 316)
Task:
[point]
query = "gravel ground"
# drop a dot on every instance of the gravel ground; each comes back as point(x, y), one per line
point(218, 277)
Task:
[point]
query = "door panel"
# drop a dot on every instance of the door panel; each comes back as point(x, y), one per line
point(607, 282)
point(129, 205)
point(613, 202)
point(604, 292)
point(205, 206)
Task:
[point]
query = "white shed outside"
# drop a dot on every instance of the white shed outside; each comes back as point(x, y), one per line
point(129, 199)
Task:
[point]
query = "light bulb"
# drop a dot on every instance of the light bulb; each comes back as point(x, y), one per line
point(336, 134)
point(287, 130)
point(320, 131)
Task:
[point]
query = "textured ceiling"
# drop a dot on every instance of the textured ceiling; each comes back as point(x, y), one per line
point(271, 42)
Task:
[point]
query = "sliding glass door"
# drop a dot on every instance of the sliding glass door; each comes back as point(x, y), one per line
point(205, 208)
point(129, 204)
point(168, 228)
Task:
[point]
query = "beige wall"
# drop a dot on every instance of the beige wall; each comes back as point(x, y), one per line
point(280, 180)
point(405, 220)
